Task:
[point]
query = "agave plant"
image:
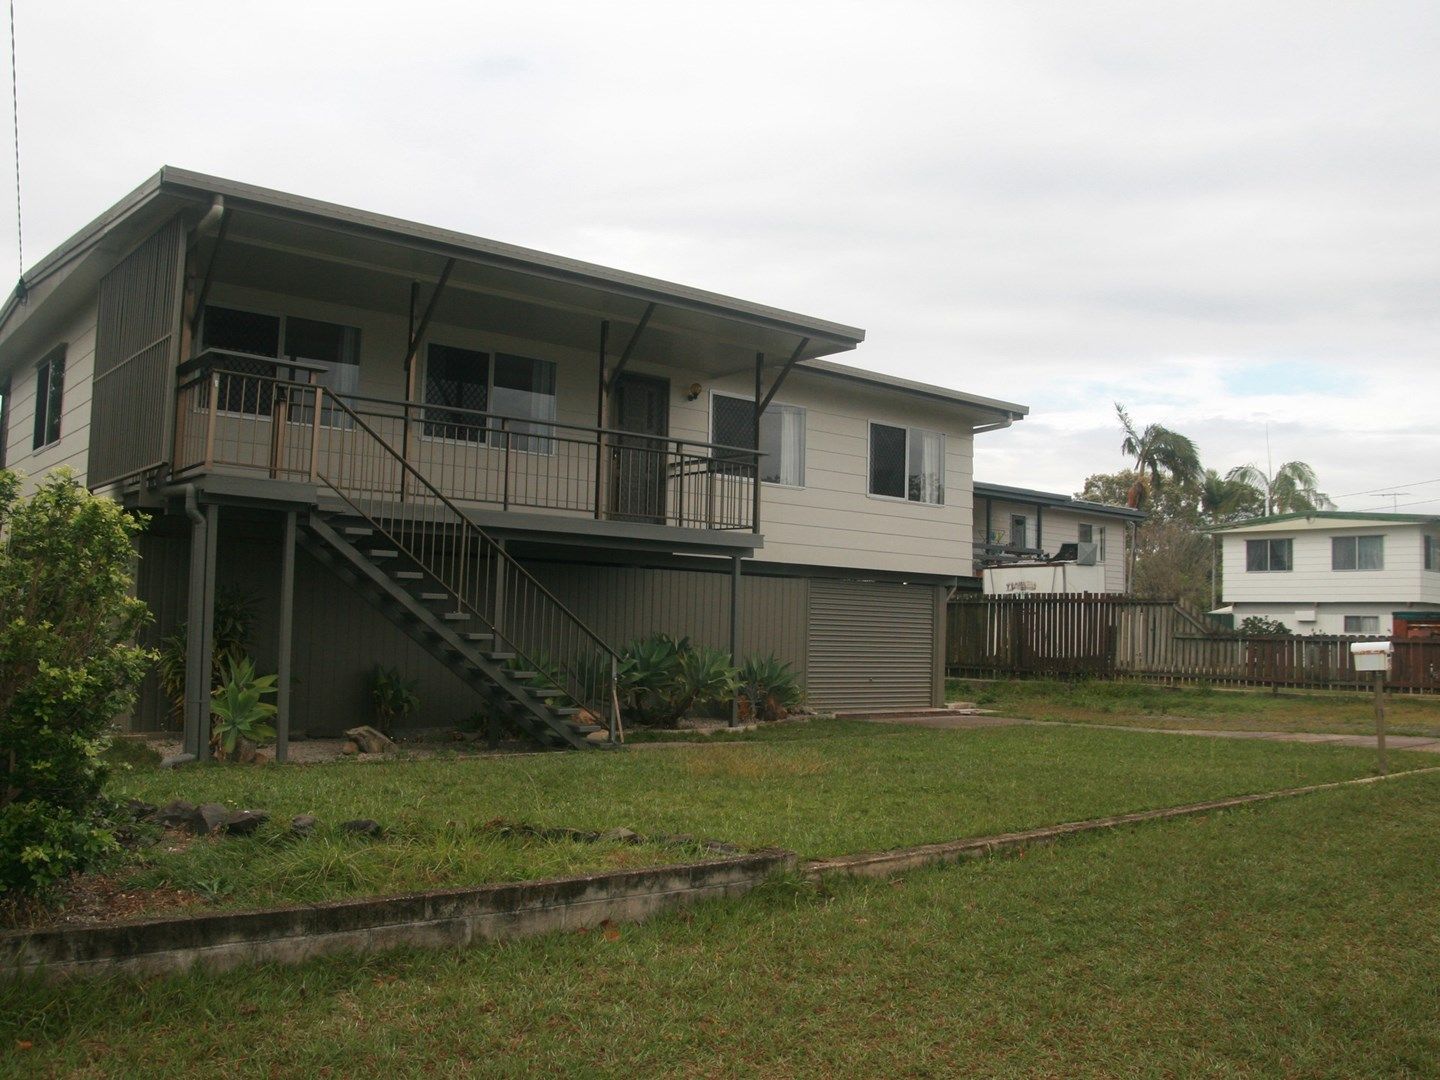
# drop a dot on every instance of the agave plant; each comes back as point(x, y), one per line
point(394, 696)
point(240, 716)
point(234, 618)
point(768, 688)
point(662, 679)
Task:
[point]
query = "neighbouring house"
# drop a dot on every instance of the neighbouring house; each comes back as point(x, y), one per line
point(1028, 541)
point(1332, 572)
point(487, 466)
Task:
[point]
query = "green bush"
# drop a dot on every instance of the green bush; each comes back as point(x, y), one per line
point(395, 697)
point(662, 679)
point(768, 689)
point(240, 716)
point(234, 618)
point(68, 667)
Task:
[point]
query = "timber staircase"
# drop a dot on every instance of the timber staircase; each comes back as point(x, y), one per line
point(385, 529)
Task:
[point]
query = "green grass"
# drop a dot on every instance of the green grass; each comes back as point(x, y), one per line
point(823, 788)
point(1141, 705)
point(1290, 939)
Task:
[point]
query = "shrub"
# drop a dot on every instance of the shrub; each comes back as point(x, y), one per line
point(1259, 624)
point(68, 667)
point(769, 689)
point(240, 716)
point(662, 679)
point(234, 618)
point(394, 696)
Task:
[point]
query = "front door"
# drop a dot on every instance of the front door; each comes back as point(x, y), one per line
point(639, 406)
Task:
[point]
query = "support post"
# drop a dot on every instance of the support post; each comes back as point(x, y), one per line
point(759, 397)
point(600, 400)
point(498, 614)
point(197, 666)
point(1380, 722)
point(212, 566)
point(1039, 528)
point(735, 634)
point(287, 621)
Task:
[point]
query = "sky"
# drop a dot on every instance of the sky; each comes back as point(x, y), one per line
point(1223, 215)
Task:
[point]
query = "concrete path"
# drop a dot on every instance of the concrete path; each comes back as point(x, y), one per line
point(1425, 744)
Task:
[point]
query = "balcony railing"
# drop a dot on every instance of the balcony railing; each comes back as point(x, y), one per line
point(234, 413)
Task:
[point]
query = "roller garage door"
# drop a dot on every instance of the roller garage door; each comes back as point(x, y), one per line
point(872, 645)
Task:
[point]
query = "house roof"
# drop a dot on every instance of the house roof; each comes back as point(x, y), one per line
point(1055, 499)
point(172, 189)
point(1009, 409)
point(1321, 519)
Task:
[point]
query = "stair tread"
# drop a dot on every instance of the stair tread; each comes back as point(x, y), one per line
point(455, 616)
point(383, 553)
point(409, 575)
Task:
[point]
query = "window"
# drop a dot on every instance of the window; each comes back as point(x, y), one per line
point(49, 398)
point(518, 388)
point(782, 436)
point(242, 332)
point(907, 463)
point(4, 419)
point(1268, 555)
point(525, 388)
point(335, 348)
point(1357, 553)
point(1094, 534)
point(1362, 624)
point(1431, 551)
point(1019, 531)
point(459, 379)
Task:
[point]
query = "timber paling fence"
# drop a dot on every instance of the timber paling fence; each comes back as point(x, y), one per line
point(1105, 636)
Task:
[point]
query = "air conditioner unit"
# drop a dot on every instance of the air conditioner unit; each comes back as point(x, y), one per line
point(1087, 554)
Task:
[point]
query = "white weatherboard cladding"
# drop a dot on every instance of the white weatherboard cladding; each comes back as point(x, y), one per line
point(1329, 618)
point(1060, 526)
point(831, 521)
point(871, 645)
point(1312, 582)
point(72, 448)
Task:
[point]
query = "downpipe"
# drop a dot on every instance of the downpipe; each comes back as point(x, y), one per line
point(196, 695)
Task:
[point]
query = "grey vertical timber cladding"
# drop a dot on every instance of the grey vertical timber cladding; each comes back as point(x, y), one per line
point(872, 645)
point(339, 637)
point(622, 603)
point(136, 352)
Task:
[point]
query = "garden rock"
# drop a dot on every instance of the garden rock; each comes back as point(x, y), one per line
point(177, 815)
point(172, 761)
point(209, 818)
point(369, 740)
point(350, 748)
point(244, 822)
point(303, 824)
point(621, 835)
point(363, 827)
point(721, 847)
point(140, 810)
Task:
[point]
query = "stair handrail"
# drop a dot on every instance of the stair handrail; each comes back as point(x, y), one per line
point(611, 658)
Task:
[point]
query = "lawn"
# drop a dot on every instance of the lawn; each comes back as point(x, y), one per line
point(823, 788)
point(1289, 939)
point(1141, 705)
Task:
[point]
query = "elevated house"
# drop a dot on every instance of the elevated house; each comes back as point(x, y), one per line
point(1333, 572)
point(487, 466)
point(1044, 541)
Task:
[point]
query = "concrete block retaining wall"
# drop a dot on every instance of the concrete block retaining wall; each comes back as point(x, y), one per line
point(445, 918)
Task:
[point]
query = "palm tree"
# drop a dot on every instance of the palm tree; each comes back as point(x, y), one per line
point(1227, 498)
point(1159, 455)
point(1291, 490)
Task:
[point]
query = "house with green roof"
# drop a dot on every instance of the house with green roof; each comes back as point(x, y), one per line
point(1331, 572)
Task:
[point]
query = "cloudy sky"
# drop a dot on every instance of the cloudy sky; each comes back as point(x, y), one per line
point(1225, 215)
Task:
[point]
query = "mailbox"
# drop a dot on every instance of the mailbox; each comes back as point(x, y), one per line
point(1371, 655)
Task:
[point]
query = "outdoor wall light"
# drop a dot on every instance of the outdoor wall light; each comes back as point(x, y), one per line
point(694, 392)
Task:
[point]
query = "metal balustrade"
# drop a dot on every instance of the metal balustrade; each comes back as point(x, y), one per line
point(236, 413)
